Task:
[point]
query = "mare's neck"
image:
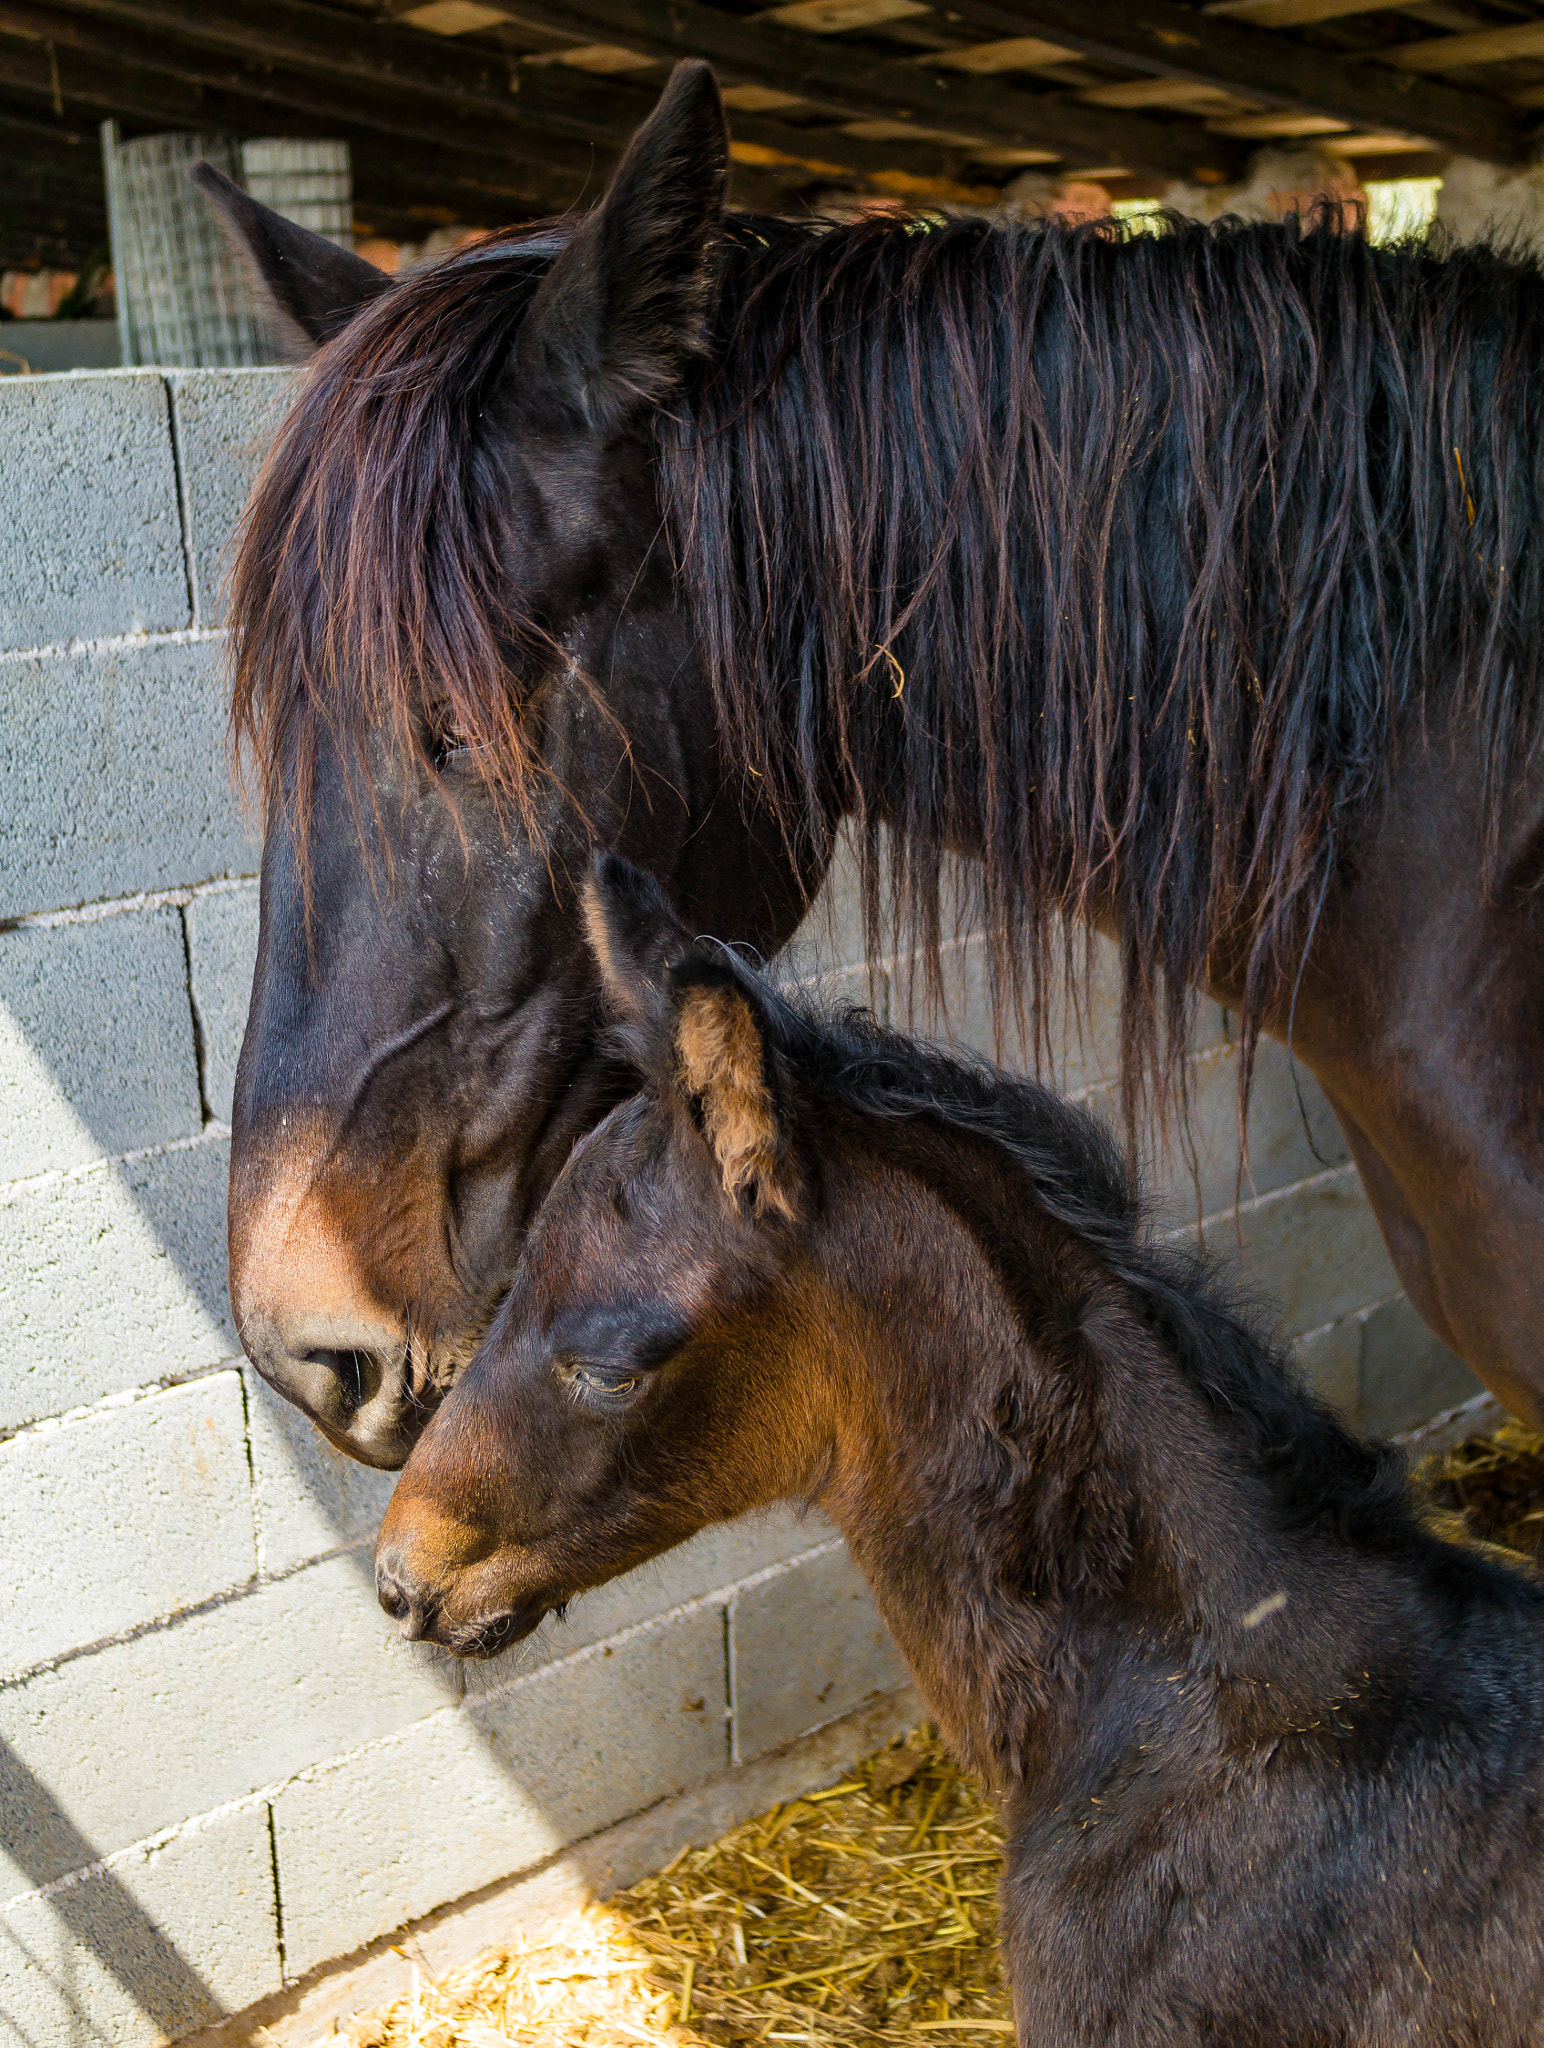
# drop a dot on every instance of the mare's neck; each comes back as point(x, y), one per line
point(1048, 1513)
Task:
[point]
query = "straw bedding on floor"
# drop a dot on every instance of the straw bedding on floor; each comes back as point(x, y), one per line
point(863, 1913)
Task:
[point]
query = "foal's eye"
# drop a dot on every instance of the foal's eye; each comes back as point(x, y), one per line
point(611, 1382)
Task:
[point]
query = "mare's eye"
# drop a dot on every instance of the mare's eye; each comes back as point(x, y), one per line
point(444, 747)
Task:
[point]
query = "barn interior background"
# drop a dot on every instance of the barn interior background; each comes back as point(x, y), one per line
point(219, 1769)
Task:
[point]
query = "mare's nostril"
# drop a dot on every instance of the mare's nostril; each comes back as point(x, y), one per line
point(358, 1373)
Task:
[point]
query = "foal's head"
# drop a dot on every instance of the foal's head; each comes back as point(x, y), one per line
point(647, 1373)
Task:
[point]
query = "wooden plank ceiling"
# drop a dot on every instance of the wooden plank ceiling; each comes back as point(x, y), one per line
point(479, 112)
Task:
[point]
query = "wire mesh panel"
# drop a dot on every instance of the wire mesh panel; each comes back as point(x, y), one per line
point(310, 183)
point(183, 298)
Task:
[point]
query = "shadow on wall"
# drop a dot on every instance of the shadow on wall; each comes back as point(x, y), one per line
point(107, 1930)
point(221, 1766)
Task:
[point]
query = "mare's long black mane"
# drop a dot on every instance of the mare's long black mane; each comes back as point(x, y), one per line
point(1126, 563)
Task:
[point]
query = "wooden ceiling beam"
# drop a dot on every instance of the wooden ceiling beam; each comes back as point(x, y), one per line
point(71, 34)
point(555, 123)
point(149, 100)
point(828, 73)
point(1159, 36)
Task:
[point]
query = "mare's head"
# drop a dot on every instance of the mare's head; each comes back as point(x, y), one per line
point(645, 1375)
point(462, 663)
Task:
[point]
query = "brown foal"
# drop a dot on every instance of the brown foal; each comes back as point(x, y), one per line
point(1269, 1754)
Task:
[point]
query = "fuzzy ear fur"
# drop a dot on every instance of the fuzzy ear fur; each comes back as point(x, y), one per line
point(697, 1029)
point(722, 1065)
point(635, 936)
point(622, 307)
point(308, 287)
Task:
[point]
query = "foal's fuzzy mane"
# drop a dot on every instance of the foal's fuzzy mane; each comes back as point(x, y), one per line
point(1074, 1173)
point(1130, 562)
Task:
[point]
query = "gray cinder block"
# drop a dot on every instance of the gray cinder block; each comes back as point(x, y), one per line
point(91, 544)
point(1281, 1151)
point(222, 949)
point(491, 1788)
point(169, 1937)
point(224, 1701)
point(309, 1498)
point(1313, 1250)
point(831, 935)
point(112, 1278)
point(225, 422)
point(1407, 1374)
point(1332, 1359)
point(96, 1042)
point(1084, 1036)
point(113, 777)
point(132, 1513)
point(806, 1645)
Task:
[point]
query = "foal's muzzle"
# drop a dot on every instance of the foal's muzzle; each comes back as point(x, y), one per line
point(422, 1618)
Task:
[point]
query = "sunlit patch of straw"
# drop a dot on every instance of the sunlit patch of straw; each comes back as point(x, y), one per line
point(865, 1913)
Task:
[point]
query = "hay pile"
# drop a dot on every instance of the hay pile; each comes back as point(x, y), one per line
point(866, 1913)
point(1496, 1485)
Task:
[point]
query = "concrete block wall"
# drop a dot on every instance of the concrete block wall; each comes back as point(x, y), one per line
point(219, 1766)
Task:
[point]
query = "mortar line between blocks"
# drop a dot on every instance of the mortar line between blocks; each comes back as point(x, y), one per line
point(115, 643)
point(200, 1043)
point(228, 1596)
point(184, 509)
point(717, 1596)
point(121, 1397)
point(262, 1579)
point(121, 906)
point(1352, 1315)
point(278, 1896)
point(213, 1133)
point(1310, 1183)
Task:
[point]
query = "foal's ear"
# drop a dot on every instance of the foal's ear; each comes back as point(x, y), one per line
point(308, 287)
point(635, 936)
point(723, 1064)
point(622, 307)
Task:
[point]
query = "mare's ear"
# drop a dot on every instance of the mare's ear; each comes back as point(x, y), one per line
point(622, 307)
point(635, 936)
point(724, 1065)
point(310, 289)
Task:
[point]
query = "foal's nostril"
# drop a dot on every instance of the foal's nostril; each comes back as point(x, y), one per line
point(412, 1614)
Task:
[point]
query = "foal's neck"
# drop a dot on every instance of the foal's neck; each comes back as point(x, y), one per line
point(1047, 1510)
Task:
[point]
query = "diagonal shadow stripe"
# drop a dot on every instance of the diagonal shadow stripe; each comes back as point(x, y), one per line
point(104, 1919)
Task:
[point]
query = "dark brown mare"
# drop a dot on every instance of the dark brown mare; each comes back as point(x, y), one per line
point(1269, 1754)
point(1191, 584)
